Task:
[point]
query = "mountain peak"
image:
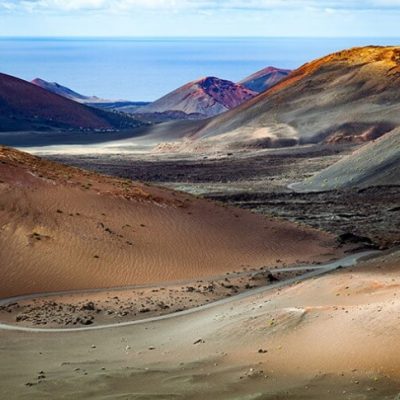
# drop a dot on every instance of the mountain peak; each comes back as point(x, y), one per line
point(264, 79)
point(38, 81)
point(56, 88)
point(348, 96)
point(206, 96)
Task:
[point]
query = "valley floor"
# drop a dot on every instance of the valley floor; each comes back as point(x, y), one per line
point(258, 180)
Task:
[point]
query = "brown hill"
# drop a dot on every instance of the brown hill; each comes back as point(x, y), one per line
point(63, 228)
point(25, 106)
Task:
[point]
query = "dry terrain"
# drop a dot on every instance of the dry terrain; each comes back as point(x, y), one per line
point(127, 290)
point(121, 305)
point(204, 97)
point(329, 337)
point(64, 228)
point(375, 164)
point(260, 181)
point(348, 96)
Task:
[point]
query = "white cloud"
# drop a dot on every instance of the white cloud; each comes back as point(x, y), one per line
point(194, 5)
point(75, 5)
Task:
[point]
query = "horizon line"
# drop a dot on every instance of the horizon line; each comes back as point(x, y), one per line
point(166, 37)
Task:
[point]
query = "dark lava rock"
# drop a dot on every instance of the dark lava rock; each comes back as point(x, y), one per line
point(271, 278)
point(21, 317)
point(349, 237)
point(262, 351)
point(86, 321)
point(88, 306)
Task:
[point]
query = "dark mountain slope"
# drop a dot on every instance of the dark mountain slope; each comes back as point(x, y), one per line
point(24, 106)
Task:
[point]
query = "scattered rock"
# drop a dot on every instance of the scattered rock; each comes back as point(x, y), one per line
point(88, 306)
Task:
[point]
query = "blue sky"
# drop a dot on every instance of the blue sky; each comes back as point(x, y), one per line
point(374, 18)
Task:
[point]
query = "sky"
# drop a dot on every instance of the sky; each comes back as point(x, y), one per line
point(161, 18)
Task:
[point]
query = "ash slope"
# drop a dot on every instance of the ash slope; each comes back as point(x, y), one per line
point(207, 96)
point(374, 164)
point(73, 229)
point(25, 106)
point(352, 95)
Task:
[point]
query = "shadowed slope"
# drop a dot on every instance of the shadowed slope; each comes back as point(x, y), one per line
point(25, 106)
point(376, 163)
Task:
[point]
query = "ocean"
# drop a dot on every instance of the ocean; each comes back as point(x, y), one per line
point(143, 69)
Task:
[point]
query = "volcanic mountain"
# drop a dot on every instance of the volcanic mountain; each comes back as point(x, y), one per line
point(25, 106)
point(74, 229)
point(264, 79)
point(63, 91)
point(207, 97)
point(93, 101)
point(351, 96)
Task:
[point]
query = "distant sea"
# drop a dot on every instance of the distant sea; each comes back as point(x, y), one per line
point(147, 68)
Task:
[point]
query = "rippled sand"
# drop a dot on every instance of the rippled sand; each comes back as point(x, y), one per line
point(63, 228)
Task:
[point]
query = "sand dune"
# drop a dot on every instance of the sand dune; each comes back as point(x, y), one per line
point(63, 228)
